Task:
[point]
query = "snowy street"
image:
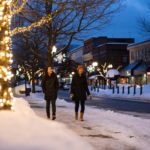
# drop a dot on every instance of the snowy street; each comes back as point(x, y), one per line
point(126, 106)
point(104, 130)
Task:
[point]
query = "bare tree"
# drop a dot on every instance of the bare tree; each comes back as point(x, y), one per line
point(144, 24)
point(29, 54)
point(70, 18)
point(103, 69)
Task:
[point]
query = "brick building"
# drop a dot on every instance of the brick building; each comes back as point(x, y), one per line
point(109, 50)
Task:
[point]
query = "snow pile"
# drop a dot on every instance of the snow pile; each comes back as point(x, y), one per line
point(21, 87)
point(23, 130)
point(109, 92)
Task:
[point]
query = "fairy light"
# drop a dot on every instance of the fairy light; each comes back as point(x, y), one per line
point(18, 10)
point(5, 55)
point(42, 21)
point(7, 11)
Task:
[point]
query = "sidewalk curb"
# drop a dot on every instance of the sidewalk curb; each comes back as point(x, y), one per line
point(124, 98)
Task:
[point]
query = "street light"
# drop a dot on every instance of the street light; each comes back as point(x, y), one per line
point(110, 66)
point(73, 73)
point(54, 49)
point(95, 64)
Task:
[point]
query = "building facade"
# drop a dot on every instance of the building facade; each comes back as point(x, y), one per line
point(76, 55)
point(139, 68)
point(107, 50)
point(140, 51)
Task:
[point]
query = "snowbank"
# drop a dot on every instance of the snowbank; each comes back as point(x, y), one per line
point(23, 130)
point(21, 87)
point(109, 93)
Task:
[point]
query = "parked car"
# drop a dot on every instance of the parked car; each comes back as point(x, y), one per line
point(66, 86)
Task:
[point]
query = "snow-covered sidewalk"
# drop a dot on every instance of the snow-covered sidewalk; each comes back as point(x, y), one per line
point(23, 130)
point(105, 130)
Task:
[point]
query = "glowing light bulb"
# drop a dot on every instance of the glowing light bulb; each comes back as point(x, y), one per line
point(4, 100)
point(9, 89)
point(2, 54)
point(5, 94)
point(1, 104)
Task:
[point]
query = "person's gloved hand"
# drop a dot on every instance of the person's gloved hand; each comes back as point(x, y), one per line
point(71, 96)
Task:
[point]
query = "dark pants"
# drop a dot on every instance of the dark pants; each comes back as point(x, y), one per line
point(48, 103)
point(78, 103)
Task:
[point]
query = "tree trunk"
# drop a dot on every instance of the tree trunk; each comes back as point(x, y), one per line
point(33, 79)
point(49, 7)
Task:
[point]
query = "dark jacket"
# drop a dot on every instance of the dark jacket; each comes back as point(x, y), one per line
point(50, 86)
point(79, 87)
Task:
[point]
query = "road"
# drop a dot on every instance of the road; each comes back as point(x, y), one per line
point(137, 109)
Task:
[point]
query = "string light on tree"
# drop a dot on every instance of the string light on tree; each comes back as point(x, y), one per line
point(9, 8)
point(6, 94)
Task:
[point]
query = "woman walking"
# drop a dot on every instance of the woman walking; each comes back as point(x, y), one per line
point(79, 91)
point(50, 87)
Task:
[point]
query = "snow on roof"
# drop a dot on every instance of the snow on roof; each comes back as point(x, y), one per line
point(139, 43)
point(94, 77)
point(112, 73)
point(113, 43)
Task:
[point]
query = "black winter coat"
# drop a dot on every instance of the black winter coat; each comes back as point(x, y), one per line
point(50, 87)
point(79, 87)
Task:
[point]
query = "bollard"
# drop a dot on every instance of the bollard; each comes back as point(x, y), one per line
point(123, 90)
point(97, 89)
point(117, 89)
point(113, 89)
point(128, 89)
point(104, 86)
point(134, 90)
point(141, 90)
point(91, 88)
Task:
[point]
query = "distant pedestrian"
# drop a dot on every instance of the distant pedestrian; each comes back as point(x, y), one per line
point(50, 87)
point(79, 91)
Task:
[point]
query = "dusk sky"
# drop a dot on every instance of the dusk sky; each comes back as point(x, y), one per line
point(125, 22)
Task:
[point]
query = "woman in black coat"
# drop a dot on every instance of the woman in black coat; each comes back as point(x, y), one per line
point(79, 91)
point(50, 87)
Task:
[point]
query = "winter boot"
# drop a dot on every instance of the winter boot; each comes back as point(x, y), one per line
point(76, 116)
point(48, 116)
point(54, 117)
point(81, 116)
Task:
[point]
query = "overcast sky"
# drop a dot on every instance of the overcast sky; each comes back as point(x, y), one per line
point(125, 22)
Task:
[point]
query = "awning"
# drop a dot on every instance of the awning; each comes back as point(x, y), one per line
point(140, 70)
point(131, 66)
point(128, 70)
